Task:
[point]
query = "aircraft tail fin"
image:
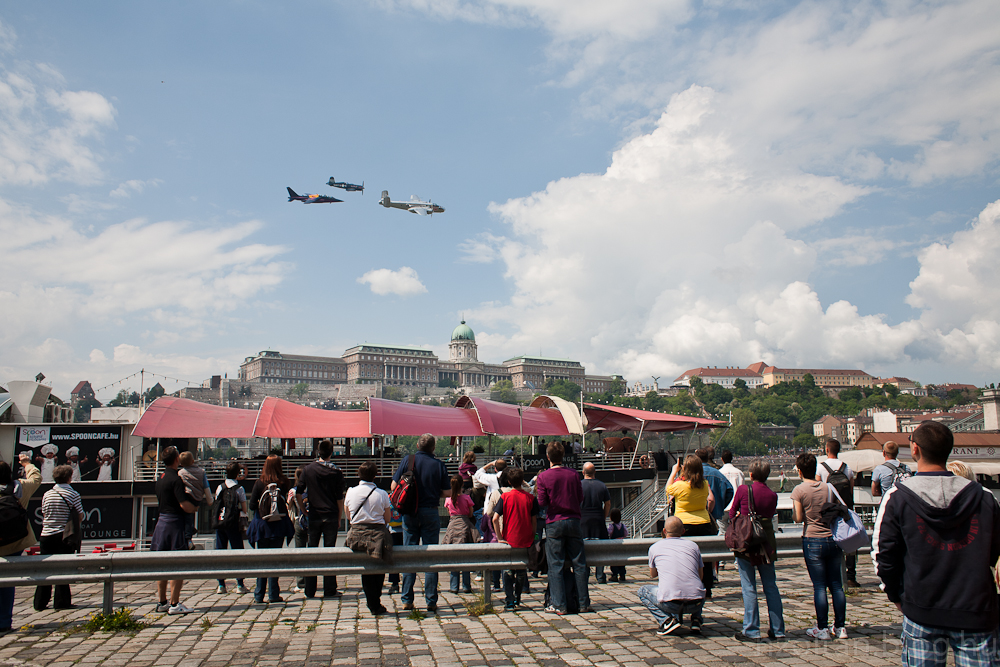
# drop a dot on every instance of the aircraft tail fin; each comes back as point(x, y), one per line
point(291, 194)
point(385, 198)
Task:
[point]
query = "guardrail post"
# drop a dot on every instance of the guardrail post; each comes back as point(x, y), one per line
point(109, 597)
point(488, 586)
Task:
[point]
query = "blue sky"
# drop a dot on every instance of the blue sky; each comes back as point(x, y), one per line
point(646, 187)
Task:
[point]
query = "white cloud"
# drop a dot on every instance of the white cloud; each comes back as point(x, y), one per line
point(484, 249)
point(126, 189)
point(58, 274)
point(404, 282)
point(684, 252)
point(44, 130)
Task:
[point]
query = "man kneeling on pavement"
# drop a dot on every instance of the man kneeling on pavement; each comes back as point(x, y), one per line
point(678, 566)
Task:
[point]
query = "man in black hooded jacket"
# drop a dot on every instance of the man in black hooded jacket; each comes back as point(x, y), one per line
point(935, 539)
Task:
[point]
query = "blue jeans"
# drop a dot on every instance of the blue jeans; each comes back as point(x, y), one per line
point(466, 579)
point(270, 582)
point(231, 538)
point(751, 610)
point(7, 603)
point(823, 559)
point(564, 542)
point(925, 646)
point(672, 608)
point(424, 527)
point(514, 583)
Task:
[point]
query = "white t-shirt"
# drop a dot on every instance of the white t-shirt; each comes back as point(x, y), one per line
point(677, 561)
point(362, 510)
point(835, 464)
point(735, 477)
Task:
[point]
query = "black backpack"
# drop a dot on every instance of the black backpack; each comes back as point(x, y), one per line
point(839, 480)
point(226, 509)
point(13, 517)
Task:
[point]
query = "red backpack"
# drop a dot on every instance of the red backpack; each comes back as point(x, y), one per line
point(404, 496)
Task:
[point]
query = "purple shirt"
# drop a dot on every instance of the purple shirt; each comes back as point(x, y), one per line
point(561, 492)
point(765, 501)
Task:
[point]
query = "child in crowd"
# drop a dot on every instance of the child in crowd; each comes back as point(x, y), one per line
point(460, 527)
point(617, 531)
point(196, 485)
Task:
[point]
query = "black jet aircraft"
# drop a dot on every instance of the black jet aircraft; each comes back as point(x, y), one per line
point(349, 187)
point(414, 205)
point(312, 199)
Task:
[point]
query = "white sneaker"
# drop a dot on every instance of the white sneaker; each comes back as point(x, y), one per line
point(179, 608)
point(840, 633)
point(818, 633)
point(295, 589)
point(221, 590)
point(242, 590)
point(479, 577)
point(160, 608)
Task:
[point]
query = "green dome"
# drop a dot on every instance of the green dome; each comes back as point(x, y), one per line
point(462, 332)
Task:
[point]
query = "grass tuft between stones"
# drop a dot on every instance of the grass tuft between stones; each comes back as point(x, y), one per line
point(120, 620)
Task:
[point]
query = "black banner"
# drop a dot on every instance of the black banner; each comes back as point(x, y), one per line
point(105, 519)
point(92, 451)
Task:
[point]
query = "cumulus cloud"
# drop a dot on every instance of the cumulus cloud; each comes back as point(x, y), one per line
point(44, 130)
point(686, 251)
point(404, 282)
point(133, 186)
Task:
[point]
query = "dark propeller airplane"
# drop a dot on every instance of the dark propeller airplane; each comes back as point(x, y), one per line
point(414, 205)
point(349, 187)
point(312, 199)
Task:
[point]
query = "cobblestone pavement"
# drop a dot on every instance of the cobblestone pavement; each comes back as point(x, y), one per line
point(229, 630)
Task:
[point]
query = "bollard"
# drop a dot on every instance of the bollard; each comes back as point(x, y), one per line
point(109, 598)
point(488, 586)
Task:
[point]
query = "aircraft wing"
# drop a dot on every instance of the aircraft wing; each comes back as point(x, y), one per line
point(421, 210)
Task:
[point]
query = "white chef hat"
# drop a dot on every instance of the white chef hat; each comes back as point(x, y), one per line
point(49, 448)
point(106, 451)
point(73, 451)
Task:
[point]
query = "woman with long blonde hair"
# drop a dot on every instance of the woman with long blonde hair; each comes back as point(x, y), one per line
point(693, 500)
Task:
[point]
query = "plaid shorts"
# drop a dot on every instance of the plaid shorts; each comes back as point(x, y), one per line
point(924, 646)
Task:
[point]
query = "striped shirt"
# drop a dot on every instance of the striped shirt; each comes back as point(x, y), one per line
point(55, 508)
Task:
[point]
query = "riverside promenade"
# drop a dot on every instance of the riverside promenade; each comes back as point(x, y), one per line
point(230, 631)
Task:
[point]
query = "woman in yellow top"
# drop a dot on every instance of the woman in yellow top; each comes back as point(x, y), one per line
point(693, 500)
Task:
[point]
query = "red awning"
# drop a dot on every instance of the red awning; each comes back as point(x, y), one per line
point(170, 417)
point(283, 419)
point(614, 418)
point(395, 418)
point(503, 418)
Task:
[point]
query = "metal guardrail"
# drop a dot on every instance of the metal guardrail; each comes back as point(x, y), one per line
point(114, 567)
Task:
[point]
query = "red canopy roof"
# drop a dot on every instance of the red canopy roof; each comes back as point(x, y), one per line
point(170, 417)
point(614, 418)
point(503, 418)
point(395, 418)
point(283, 419)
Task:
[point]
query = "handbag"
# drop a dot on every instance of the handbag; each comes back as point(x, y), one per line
point(849, 534)
point(746, 532)
point(72, 534)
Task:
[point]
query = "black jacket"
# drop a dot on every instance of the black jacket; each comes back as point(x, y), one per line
point(935, 539)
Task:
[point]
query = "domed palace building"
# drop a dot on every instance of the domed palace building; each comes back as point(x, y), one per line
point(407, 366)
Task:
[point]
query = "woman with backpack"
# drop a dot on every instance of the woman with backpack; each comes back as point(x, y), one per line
point(822, 555)
point(270, 525)
point(228, 510)
point(757, 498)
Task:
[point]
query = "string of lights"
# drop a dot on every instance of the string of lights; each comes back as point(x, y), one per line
point(143, 372)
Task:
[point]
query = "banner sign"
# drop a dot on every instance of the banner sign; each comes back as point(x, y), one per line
point(103, 518)
point(92, 451)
